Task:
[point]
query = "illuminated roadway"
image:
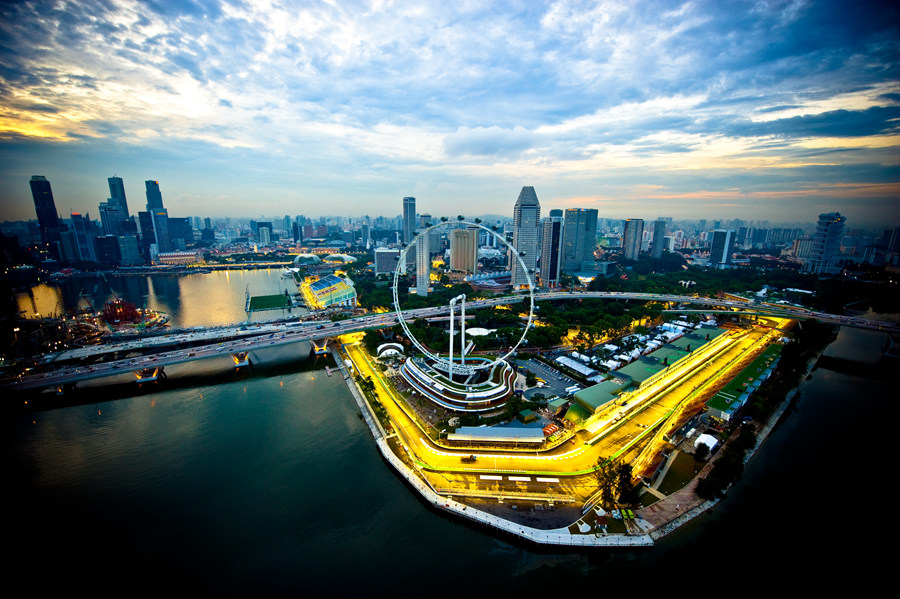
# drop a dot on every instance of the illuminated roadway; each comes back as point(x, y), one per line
point(161, 351)
point(624, 426)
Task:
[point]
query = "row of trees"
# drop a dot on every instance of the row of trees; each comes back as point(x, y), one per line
point(615, 480)
point(729, 466)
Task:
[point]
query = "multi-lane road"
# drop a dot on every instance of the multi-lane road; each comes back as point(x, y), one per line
point(567, 469)
point(159, 351)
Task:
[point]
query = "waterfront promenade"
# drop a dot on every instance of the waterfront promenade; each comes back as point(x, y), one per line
point(559, 536)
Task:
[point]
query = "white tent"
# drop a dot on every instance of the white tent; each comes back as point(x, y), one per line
point(707, 440)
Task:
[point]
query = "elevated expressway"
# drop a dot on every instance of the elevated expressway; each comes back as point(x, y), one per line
point(149, 355)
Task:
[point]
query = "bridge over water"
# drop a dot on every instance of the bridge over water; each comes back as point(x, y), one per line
point(237, 341)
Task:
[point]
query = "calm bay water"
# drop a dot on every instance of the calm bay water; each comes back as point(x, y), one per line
point(268, 482)
point(210, 299)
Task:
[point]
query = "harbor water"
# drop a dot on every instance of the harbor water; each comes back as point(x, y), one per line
point(267, 482)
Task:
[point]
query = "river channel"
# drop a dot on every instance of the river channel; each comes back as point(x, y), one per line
point(267, 482)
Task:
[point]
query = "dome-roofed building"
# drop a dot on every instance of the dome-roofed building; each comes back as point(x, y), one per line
point(339, 259)
point(306, 260)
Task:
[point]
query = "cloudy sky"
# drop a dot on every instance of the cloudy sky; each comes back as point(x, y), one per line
point(758, 110)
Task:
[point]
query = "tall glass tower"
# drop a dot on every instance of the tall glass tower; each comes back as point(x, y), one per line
point(634, 235)
point(825, 248)
point(579, 238)
point(117, 194)
point(551, 249)
point(154, 196)
point(44, 206)
point(659, 238)
point(409, 219)
point(526, 223)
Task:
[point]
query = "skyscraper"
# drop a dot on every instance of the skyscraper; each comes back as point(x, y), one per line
point(423, 265)
point(631, 241)
point(159, 216)
point(117, 194)
point(45, 208)
point(659, 235)
point(579, 238)
point(84, 237)
point(551, 248)
point(463, 249)
point(409, 219)
point(111, 217)
point(154, 196)
point(526, 220)
point(722, 248)
point(826, 244)
point(114, 211)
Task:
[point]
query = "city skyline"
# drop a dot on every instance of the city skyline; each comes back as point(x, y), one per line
point(637, 110)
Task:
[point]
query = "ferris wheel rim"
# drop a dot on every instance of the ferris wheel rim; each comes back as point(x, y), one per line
point(501, 357)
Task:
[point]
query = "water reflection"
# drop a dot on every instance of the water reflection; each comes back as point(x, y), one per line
point(212, 299)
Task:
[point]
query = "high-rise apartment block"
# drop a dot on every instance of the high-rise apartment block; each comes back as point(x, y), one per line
point(579, 239)
point(825, 248)
point(526, 221)
point(631, 241)
point(386, 260)
point(659, 238)
point(722, 248)
point(423, 265)
point(463, 249)
point(551, 249)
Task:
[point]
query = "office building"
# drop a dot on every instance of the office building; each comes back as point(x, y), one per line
point(634, 234)
point(45, 208)
point(659, 238)
point(114, 211)
point(579, 239)
point(825, 248)
point(386, 261)
point(162, 239)
point(423, 265)
point(129, 251)
point(551, 249)
point(526, 223)
point(117, 194)
point(111, 218)
point(107, 250)
point(722, 248)
point(154, 196)
point(463, 250)
point(159, 217)
point(83, 229)
point(409, 219)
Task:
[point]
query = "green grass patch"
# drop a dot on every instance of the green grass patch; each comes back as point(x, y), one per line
point(615, 526)
point(648, 499)
point(269, 302)
point(680, 473)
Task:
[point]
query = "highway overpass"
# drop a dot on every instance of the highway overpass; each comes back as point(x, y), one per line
point(151, 354)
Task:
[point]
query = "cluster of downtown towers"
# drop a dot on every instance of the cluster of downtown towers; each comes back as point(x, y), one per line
point(120, 242)
point(563, 241)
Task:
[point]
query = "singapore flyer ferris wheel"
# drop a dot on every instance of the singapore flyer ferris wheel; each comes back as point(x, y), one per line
point(448, 364)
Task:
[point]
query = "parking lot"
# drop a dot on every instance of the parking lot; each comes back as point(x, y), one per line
point(556, 382)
